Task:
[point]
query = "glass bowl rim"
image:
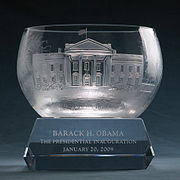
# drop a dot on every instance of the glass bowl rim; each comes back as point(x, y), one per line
point(130, 28)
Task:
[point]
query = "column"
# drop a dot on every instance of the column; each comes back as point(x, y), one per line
point(104, 72)
point(94, 70)
point(65, 69)
point(80, 70)
point(108, 70)
point(68, 69)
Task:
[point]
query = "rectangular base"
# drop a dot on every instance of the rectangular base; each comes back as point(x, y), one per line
point(88, 144)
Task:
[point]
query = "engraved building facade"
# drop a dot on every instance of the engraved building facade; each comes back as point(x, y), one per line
point(87, 63)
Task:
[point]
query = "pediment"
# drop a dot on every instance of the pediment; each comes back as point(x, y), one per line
point(88, 44)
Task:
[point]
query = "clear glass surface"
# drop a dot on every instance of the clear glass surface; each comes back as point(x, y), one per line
point(89, 70)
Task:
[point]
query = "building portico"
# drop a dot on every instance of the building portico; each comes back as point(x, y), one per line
point(89, 60)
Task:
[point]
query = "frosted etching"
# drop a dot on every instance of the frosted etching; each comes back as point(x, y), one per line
point(86, 78)
point(88, 63)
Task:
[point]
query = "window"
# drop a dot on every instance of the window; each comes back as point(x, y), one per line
point(129, 81)
point(99, 79)
point(75, 79)
point(137, 81)
point(138, 69)
point(86, 80)
point(75, 66)
point(130, 68)
point(45, 80)
point(121, 80)
point(98, 67)
point(61, 67)
point(112, 68)
point(122, 68)
point(54, 79)
point(86, 66)
point(38, 80)
point(61, 79)
point(52, 67)
point(112, 79)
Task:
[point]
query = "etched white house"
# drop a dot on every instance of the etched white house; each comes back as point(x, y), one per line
point(87, 63)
